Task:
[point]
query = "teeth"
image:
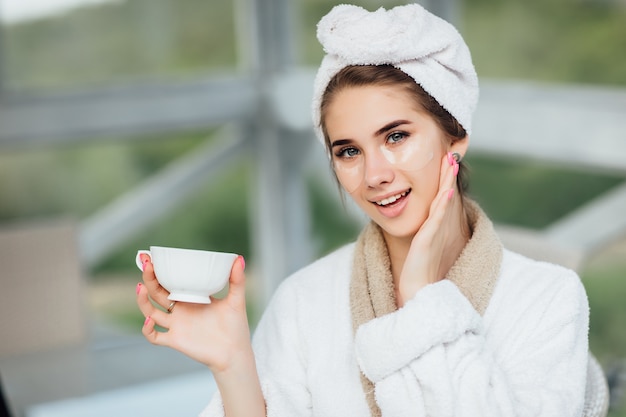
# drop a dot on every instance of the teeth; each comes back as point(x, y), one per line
point(391, 199)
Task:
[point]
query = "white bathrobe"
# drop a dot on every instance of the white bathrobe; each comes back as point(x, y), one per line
point(436, 356)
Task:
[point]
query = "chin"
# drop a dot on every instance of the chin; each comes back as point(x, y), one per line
point(400, 233)
point(400, 229)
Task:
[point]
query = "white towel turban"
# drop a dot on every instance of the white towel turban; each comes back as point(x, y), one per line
point(424, 46)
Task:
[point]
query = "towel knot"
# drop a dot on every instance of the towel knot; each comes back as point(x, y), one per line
point(390, 36)
point(424, 46)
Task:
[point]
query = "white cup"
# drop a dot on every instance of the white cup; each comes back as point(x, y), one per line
point(189, 275)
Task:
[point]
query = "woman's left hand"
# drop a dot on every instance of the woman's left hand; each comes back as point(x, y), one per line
point(424, 262)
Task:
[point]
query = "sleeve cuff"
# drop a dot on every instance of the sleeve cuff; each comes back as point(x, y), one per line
point(439, 313)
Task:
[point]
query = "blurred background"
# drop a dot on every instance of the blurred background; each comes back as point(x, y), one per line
point(130, 123)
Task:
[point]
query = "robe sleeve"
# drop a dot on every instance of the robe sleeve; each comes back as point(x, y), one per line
point(432, 356)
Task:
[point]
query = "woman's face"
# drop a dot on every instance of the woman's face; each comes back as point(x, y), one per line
point(387, 154)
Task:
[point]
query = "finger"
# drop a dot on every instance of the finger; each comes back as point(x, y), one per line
point(454, 172)
point(237, 282)
point(438, 212)
point(449, 171)
point(155, 290)
point(150, 333)
point(447, 181)
point(149, 310)
point(439, 208)
point(444, 170)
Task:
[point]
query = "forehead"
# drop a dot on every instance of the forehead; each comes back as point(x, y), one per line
point(355, 111)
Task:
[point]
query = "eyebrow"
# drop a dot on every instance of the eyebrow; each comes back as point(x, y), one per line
point(391, 125)
point(386, 128)
point(340, 142)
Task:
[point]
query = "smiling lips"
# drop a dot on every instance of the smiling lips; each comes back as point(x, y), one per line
point(390, 200)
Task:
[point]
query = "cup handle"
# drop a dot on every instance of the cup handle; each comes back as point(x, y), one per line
point(138, 258)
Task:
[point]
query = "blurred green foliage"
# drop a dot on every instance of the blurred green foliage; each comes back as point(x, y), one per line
point(531, 193)
point(606, 289)
point(77, 180)
point(215, 218)
point(580, 41)
point(120, 41)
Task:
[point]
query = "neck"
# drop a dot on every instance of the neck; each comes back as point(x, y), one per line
point(459, 234)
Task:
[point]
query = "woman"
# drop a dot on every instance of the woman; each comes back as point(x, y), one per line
point(426, 314)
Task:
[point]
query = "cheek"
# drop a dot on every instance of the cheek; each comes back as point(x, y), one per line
point(426, 182)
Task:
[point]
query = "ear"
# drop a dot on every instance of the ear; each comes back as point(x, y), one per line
point(460, 146)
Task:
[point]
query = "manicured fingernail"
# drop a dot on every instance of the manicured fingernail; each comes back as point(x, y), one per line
point(146, 321)
point(138, 288)
point(450, 158)
point(456, 169)
point(243, 262)
point(450, 193)
point(143, 264)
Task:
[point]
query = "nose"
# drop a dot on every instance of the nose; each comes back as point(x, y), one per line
point(378, 170)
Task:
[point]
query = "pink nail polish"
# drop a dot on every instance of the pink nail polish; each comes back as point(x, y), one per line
point(138, 288)
point(243, 262)
point(450, 158)
point(456, 169)
point(143, 264)
point(450, 193)
point(146, 321)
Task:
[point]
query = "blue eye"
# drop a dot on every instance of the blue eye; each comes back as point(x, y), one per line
point(396, 137)
point(347, 152)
